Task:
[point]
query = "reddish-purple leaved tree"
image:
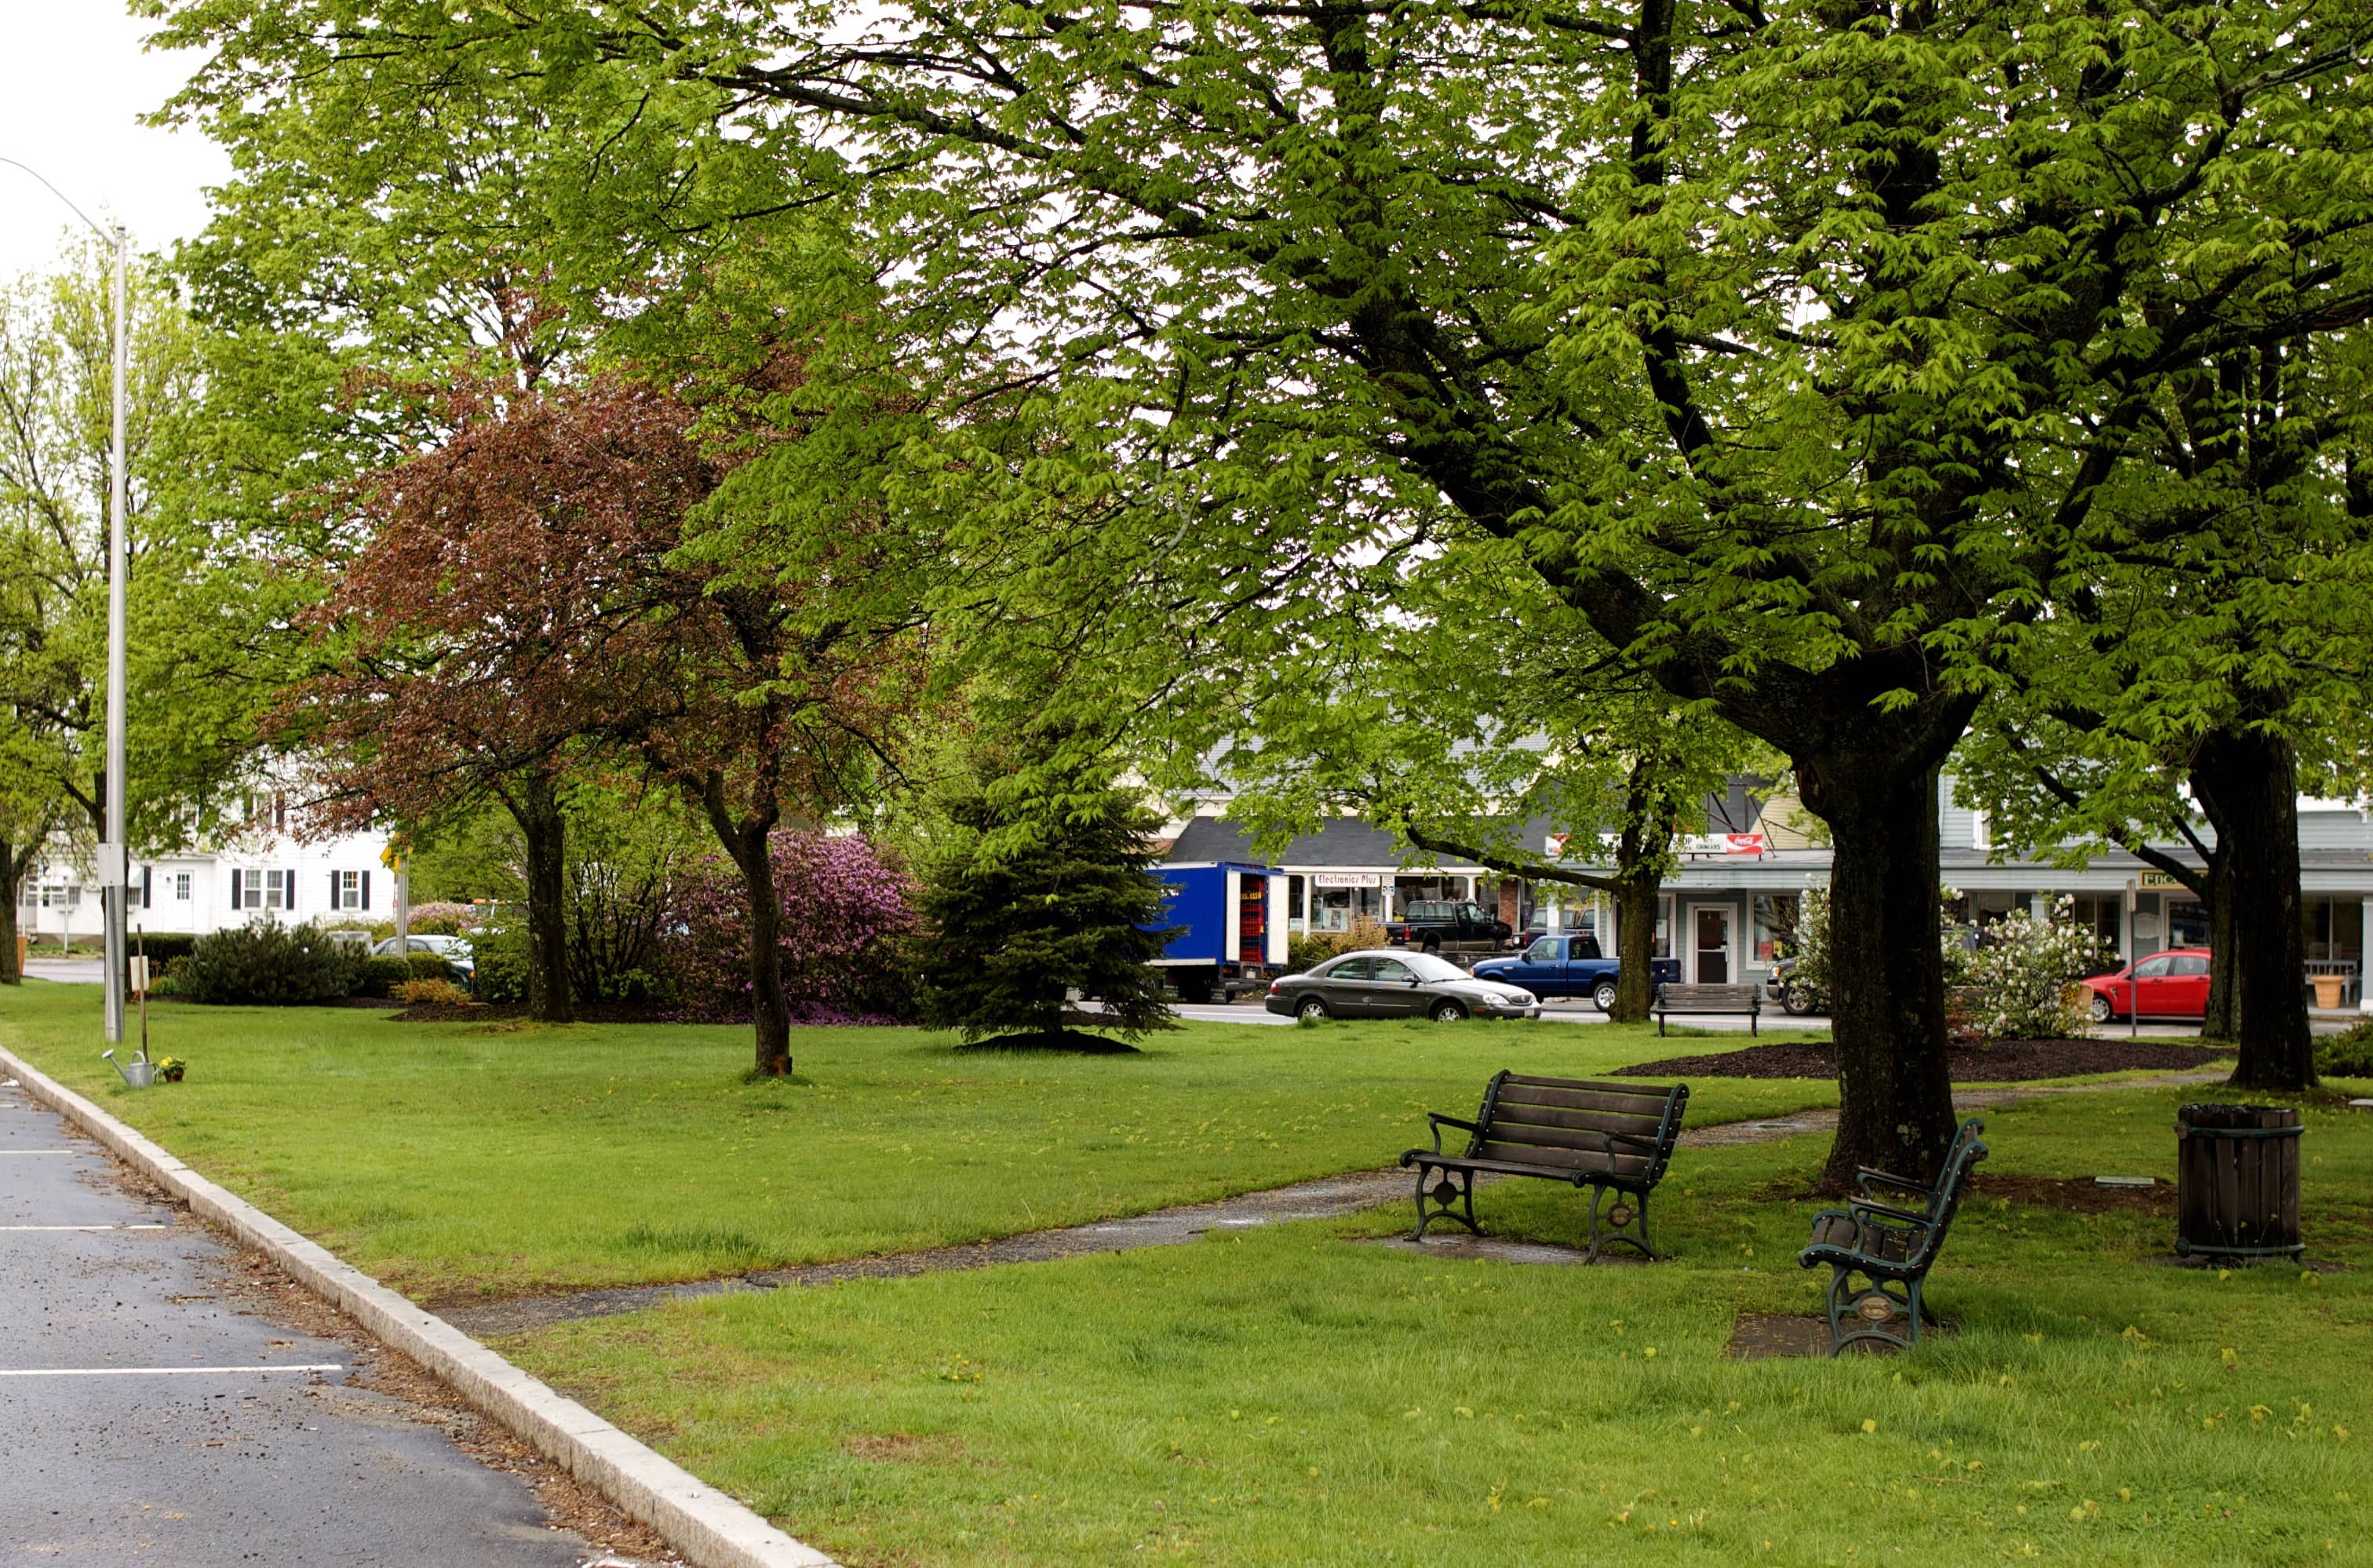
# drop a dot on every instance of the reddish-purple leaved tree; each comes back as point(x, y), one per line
point(845, 912)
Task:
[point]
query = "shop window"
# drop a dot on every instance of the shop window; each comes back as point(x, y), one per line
point(2187, 923)
point(1775, 925)
point(1664, 944)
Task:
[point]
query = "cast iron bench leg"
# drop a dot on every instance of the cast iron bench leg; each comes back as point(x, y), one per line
point(1841, 1297)
point(1444, 1194)
point(1599, 1241)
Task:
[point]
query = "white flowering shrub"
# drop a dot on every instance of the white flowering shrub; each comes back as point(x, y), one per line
point(2015, 978)
point(1809, 944)
point(2019, 975)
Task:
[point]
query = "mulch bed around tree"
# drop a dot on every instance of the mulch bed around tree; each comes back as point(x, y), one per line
point(2077, 1195)
point(1072, 1041)
point(2005, 1062)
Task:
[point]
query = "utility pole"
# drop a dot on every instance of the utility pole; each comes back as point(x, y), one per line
point(115, 869)
point(113, 854)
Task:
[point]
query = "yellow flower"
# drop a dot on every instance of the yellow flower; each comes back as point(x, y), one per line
point(1869, 1425)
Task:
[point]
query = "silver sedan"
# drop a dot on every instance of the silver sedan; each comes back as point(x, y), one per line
point(1397, 984)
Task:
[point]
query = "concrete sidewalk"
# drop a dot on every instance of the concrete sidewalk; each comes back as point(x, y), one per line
point(158, 1398)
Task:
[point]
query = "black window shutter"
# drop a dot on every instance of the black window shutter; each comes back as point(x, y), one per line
point(147, 887)
point(333, 890)
point(289, 880)
point(366, 890)
point(234, 887)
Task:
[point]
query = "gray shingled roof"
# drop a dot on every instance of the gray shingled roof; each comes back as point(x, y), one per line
point(1346, 841)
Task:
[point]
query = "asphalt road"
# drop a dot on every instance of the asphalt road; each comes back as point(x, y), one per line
point(147, 1413)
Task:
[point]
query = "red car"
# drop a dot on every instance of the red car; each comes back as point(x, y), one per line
point(2173, 984)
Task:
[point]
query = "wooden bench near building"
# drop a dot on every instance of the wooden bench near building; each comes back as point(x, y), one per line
point(1672, 998)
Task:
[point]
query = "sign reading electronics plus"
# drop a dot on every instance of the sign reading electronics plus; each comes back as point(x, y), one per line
point(1347, 879)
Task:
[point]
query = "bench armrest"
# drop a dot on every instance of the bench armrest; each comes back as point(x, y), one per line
point(1648, 1144)
point(1866, 1179)
point(1862, 1206)
point(1435, 1121)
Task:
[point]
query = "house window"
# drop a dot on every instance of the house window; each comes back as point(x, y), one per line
point(263, 890)
point(1664, 943)
point(350, 890)
point(182, 887)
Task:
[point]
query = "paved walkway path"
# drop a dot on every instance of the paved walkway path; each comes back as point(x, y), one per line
point(149, 1407)
point(1327, 1198)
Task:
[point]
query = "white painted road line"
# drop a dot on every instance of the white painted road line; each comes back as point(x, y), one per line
point(164, 1371)
point(83, 1227)
point(37, 1150)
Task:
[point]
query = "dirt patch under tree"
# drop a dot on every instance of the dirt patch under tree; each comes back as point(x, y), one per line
point(2005, 1062)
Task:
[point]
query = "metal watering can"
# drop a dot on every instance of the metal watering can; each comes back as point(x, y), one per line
point(139, 1073)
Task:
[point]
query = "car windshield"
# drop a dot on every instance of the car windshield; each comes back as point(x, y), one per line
point(1430, 967)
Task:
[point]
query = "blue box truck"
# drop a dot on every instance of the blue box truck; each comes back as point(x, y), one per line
point(1234, 939)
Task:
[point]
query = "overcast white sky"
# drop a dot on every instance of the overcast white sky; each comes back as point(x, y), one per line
point(73, 81)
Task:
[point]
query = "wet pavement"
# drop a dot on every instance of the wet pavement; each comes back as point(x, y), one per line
point(148, 1409)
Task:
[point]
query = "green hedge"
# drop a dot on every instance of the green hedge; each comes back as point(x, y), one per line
point(379, 974)
point(163, 947)
point(2348, 1053)
point(266, 964)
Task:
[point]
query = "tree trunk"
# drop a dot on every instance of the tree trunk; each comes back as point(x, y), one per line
point(1886, 967)
point(770, 1009)
point(2218, 1021)
point(1635, 942)
point(12, 871)
point(2247, 783)
point(536, 806)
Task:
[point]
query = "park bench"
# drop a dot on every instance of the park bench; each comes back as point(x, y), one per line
point(1608, 1137)
point(1890, 1245)
point(1672, 996)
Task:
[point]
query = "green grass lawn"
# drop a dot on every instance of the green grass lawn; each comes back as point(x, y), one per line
point(1298, 1395)
point(451, 1160)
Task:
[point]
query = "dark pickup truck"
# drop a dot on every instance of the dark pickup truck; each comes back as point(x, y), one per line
point(1570, 966)
point(1439, 925)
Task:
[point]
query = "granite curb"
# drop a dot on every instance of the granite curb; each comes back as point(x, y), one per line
point(708, 1527)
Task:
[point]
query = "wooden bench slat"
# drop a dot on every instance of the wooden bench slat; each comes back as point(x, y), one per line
point(1544, 1116)
point(1650, 1106)
point(1565, 1159)
point(1515, 1080)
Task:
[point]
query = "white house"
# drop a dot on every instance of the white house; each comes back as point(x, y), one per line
point(259, 871)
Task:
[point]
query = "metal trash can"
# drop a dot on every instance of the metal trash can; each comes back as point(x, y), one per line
point(2237, 1181)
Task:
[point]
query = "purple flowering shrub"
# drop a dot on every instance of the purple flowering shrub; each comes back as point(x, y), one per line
point(845, 918)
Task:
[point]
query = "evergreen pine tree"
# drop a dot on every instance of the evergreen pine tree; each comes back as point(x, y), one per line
point(1035, 898)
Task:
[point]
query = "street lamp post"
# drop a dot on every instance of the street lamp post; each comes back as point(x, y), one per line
point(114, 872)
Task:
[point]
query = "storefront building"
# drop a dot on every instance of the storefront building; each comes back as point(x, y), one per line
point(1733, 900)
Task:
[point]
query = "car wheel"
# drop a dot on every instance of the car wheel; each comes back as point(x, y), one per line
point(1310, 1007)
point(2101, 1008)
point(1433, 947)
point(1795, 1001)
point(1604, 995)
point(1447, 1013)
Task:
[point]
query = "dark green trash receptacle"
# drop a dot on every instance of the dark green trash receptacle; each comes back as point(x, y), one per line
point(2237, 1182)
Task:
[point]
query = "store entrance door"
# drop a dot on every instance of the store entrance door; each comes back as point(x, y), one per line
point(1710, 938)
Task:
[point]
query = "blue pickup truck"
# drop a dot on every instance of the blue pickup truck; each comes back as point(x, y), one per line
point(1568, 964)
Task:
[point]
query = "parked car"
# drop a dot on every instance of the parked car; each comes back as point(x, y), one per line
point(454, 950)
point(1568, 964)
point(2173, 984)
point(1797, 998)
point(1381, 984)
point(1436, 924)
